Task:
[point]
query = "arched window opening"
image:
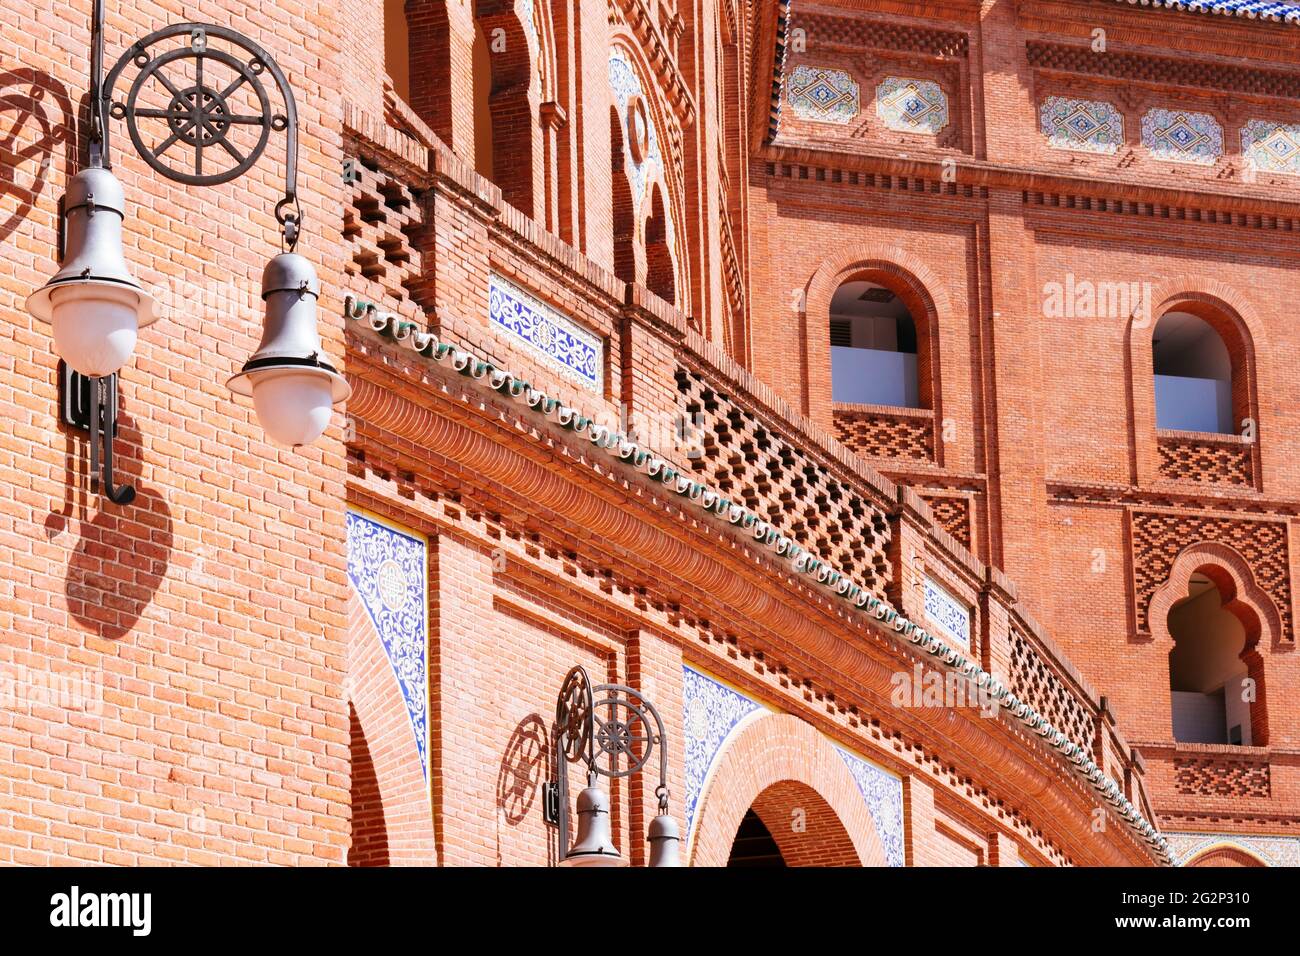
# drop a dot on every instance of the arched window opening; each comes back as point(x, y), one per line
point(1193, 376)
point(483, 158)
point(623, 210)
point(658, 258)
point(1211, 686)
point(873, 347)
point(397, 56)
point(754, 847)
point(503, 59)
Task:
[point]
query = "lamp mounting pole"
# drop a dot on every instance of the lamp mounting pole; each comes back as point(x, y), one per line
point(96, 144)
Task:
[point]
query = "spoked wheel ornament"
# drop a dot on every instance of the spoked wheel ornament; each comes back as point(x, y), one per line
point(574, 712)
point(201, 114)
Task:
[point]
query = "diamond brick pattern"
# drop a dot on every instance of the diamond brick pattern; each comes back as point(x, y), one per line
point(1221, 777)
point(1033, 682)
point(753, 463)
point(878, 434)
point(1204, 459)
point(383, 225)
point(1158, 539)
point(953, 515)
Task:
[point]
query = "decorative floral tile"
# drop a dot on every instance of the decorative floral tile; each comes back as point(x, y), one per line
point(883, 793)
point(388, 572)
point(907, 105)
point(1273, 850)
point(1271, 147)
point(712, 714)
point(1178, 136)
point(822, 95)
point(625, 85)
point(950, 617)
point(1083, 126)
point(575, 353)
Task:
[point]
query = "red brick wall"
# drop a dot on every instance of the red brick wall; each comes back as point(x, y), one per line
point(211, 607)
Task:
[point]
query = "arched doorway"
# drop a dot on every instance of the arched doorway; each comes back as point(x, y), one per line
point(791, 824)
point(1225, 856)
point(754, 847)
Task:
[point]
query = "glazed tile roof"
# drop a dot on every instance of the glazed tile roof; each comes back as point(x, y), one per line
point(1255, 9)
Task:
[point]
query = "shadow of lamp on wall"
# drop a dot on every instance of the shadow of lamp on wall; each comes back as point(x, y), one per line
point(213, 129)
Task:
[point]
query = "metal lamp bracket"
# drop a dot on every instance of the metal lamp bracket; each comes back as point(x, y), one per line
point(90, 405)
point(201, 81)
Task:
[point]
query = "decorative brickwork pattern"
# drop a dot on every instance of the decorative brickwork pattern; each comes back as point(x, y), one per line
point(383, 226)
point(755, 464)
point(884, 434)
point(1223, 777)
point(1163, 70)
point(1033, 681)
point(1204, 458)
point(1159, 538)
point(953, 515)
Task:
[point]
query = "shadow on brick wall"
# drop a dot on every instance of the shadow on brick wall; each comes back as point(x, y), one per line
point(524, 766)
point(36, 120)
point(124, 551)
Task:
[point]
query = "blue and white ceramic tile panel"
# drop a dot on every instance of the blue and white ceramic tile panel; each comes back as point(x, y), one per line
point(713, 714)
point(823, 95)
point(950, 617)
point(1082, 126)
point(1179, 136)
point(575, 353)
point(625, 85)
point(883, 793)
point(1271, 147)
point(908, 105)
point(388, 571)
point(1273, 850)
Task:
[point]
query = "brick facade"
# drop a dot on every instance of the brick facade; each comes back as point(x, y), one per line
point(579, 261)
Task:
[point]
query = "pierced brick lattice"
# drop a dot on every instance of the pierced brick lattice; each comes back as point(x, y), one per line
point(953, 515)
point(1033, 681)
point(1220, 777)
point(882, 434)
point(1158, 539)
point(1204, 459)
point(755, 465)
point(383, 225)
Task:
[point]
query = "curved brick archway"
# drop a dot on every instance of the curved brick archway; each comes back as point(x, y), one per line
point(801, 789)
point(1226, 854)
point(1237, 324)
point(392, 822)
point(920, 288)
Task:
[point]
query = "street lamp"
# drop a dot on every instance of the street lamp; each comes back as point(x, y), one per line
point(93, 304)
point(614, 724)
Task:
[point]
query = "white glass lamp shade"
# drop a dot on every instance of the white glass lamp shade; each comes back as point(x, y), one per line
point(293, 405)
point(95, 326)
